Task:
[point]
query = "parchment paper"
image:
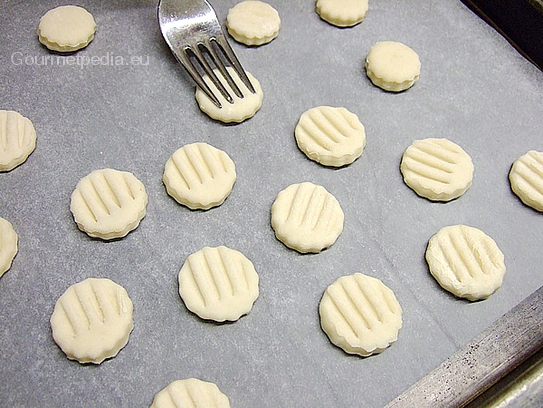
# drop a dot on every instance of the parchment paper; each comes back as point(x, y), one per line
point(134, 106)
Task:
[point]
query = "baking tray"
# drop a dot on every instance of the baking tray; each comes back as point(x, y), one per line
point(519, 21)
point(132, 110)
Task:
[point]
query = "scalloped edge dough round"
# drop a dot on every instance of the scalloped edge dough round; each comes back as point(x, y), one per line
point(526, 179)
point(437, 169)
point(392, 66)
point(253, 22)
point(330, 136)
point(92, 320)
point(199, 176)
point(360, 314)
point(8, 245)
point(190, 392)
point(218, 284)
point(466, 262)
point(19, 139)
point(342, 13)
point(306, 217)
point(108, 203)
point(242, 108)
point(66, 28)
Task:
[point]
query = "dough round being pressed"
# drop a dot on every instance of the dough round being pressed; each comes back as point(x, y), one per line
point(218, 284)
point(92, 320)
point(526, 179)
point(108, 203)
point(466, 262)
point(330, 136)
point(342, 13)
point(17, 139)
point(392, 66)
point(306, 217)
point(437, 169)
point(242, 108)
point(199, 176)
point(66, 28)
point(191, 393)
point(360, 314)
point(253, 22)
point(8, 245)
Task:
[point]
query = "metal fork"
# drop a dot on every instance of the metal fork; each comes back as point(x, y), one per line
point(196, 38)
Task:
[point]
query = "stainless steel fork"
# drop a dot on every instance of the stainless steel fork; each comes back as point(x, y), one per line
point(196, 38)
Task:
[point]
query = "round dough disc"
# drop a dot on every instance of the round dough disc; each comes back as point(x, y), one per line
point(392, 66)
point(330, 136)
point(526, 179)
point(466, 262)
point(342, 13)
point(199, 176)
point(108, 203)
point(437, 169)
point(242, 108)
point(360, 314)
point(218, 284)
point(306, 217)
point(19, 139)
point(253, 22)
point(66, 28)
point(92, 320)
point(8, 245)
point(191, 392)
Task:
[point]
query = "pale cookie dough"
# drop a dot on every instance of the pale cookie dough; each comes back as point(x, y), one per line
point(242, 108)
point(526, 179)
point(199, 176)
point(17, 139)
point(108, 203)
point(191, 393)
point(218, 284)
point(8, 245)
point(66, 28)
point(466, 262)
point(330, 136)
point(437, 169)
point(360, 314)
point(392, 66)
point(306, 217)
point(92, 320)
point(342, 13)
point(253, 22)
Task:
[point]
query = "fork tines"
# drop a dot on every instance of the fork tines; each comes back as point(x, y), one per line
point(214, 53)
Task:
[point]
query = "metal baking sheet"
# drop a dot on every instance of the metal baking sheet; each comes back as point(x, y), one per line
point(131, 106)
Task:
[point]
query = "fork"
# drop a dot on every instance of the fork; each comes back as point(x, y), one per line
point(196, 38)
